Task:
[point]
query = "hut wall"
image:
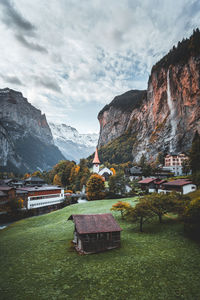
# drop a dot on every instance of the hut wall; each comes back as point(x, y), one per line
point(97, 242)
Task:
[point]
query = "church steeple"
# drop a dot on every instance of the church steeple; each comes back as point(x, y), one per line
point(96, 162)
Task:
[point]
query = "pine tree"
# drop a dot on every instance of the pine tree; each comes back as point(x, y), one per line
point(195, 154)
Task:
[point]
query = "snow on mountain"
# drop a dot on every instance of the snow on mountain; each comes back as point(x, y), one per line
point(71, 143)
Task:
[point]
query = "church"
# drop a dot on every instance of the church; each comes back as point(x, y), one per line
point(104, 172)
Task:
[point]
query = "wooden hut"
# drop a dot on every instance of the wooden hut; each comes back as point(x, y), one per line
point(95, 233)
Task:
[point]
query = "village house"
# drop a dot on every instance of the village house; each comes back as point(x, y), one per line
point(95, 233)
point(7, 194)
point(173, 163)
point(156, 185)
point(42, 196)
point(34, 180)
point(134, 172)
point(183, 186)
point(3, 201)
point(145, 183)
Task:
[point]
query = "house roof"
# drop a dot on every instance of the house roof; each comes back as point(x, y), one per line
point(40, 188)
point(95, 223)
point(178, 182)
point(160, 181)
point(96, 158)
point(5, 188)
point(147, 180)
point(105, 170)
point(135, 170)
point(34, 178)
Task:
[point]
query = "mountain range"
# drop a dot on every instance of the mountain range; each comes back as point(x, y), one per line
point(71, 143)
point(28, 143)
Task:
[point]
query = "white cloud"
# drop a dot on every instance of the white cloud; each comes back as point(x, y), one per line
point(71, 55)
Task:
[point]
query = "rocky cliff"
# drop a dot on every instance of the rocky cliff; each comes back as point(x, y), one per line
point(26, 141)
point(164, 118)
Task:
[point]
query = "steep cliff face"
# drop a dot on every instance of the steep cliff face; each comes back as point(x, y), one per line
point(115, 118)
point(168, 116)
point(26, 141)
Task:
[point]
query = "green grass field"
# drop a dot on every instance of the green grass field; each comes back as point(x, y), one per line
point(37, 261)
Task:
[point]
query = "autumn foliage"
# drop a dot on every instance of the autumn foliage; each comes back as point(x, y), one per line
point(57, 180)
point(95, 187)
point(121, 206)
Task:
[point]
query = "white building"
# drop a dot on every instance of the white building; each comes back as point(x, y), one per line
point(183, 186)
point(104, 172)
point(173, 163)
point(43, 196)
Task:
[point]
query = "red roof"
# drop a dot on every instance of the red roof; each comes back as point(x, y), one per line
point(96, 158)
point(147, 180)
point(160, 181)
point(95, 223)
point(178, 182)
point(40, 188)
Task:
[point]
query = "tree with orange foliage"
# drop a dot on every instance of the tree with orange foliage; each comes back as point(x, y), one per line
point(95, 188)
point(37, 173)
point(26, 176)
point(113, 170)
point(57, 180)
point(121, 206)
point(20, 203)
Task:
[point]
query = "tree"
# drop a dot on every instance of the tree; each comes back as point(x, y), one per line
point(121, 206)
point(186, 166)
point(37, 173)
point(113, 170)
point(195, 154)
point(95, 187)
point(141, 213)
point(117, 184)
point(161, 204)
point(142, 161)
point(57, 180)
point(191, 217)
point(26, 176)
point(160, 159)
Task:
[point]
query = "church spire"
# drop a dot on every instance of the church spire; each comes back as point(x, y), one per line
point(96, 162)
point(96, 158)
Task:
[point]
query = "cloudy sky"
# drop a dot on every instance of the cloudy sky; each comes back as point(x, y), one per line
point(71, 57)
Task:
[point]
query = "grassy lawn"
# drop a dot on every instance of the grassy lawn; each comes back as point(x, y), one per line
point(37, 261)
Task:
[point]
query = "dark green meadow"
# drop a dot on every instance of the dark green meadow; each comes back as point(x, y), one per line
point(38, 262)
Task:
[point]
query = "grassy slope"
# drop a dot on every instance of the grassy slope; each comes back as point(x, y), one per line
point(38, 263)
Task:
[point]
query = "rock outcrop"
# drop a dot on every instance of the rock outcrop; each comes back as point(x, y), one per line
point(26, 141)
point(166, 117)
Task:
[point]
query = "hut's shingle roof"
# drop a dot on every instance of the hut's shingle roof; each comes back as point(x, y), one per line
point(95, 223)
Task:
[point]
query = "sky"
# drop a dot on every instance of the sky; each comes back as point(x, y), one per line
point(70, 58)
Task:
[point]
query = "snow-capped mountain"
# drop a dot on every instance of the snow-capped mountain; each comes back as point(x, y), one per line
point(71, 143)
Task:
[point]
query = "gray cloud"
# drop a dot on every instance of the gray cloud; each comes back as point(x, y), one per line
point(95, 51)
point(47, 82)
point(13, 19)
point(30, 45)
point(11, 79)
